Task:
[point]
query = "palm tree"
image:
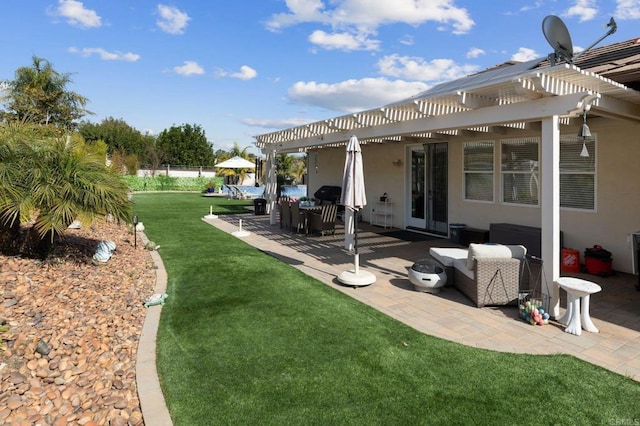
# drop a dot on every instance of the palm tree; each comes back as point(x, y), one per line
point(39, 95)
point(54, 183)
point(299, 169)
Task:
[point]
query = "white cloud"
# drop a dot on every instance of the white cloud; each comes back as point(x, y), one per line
point(407, 40)
point(583, 9)
point(475, 52)
point(172, 20)
point(76, 14)
point(525, 54)
point(276, 124)
point(245, 73)
point(301, 11)
point(105, 55)
point(528, 7)
point(414, 68)
point(189, 68)
point(363, 17)
point(353, 95)
point(628, 9)
point(343, 41)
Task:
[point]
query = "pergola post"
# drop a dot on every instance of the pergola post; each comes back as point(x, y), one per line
point(550, 209)
point(271, 186)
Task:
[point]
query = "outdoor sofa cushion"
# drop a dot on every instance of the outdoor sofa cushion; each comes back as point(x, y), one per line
point(447, 255)
point(493, 251)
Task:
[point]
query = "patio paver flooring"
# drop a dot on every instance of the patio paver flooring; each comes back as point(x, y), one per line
point(449, 314)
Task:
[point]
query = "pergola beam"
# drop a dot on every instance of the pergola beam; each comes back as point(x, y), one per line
point(533, 110)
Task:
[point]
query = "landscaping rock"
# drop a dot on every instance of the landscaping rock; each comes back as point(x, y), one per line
point(90, 318)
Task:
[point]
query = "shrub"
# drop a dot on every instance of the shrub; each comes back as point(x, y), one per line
point(168, 183)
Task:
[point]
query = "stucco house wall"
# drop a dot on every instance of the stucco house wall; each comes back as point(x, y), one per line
point(326, 167)
point(616, 217)
point(617, 213)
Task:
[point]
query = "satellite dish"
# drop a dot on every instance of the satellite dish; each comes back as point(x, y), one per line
point(557, 35)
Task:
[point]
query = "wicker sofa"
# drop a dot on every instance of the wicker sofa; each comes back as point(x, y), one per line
point(489, 274)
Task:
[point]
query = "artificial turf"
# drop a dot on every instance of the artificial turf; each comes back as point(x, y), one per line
point(247, 339)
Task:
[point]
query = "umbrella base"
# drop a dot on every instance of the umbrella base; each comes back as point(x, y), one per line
point(241, 234)
point(361, 278)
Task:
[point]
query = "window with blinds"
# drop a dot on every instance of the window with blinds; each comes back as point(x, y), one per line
point(478, 170)
point(577, 173)
point(520, 171)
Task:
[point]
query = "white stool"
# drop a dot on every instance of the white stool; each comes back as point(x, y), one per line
point(578, 289)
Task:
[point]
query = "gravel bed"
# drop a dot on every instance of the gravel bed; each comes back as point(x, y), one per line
point(68, 353)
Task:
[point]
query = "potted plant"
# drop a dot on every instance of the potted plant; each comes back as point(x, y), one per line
point(211, 187)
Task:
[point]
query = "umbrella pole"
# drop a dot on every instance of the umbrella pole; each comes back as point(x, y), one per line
point(356, 257)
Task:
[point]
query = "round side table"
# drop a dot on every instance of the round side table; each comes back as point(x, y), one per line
point(578, 293)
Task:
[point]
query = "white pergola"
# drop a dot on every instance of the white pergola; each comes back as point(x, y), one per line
point(499, 101)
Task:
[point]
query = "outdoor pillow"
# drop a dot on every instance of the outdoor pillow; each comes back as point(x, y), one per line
point(487, 251)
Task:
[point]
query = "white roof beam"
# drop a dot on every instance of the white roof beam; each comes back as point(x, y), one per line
point(616, 108)
point(472, 101)
point(534, 110)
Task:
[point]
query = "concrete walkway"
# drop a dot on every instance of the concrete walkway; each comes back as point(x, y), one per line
point(449, 314)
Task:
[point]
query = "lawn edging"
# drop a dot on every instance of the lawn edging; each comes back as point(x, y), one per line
point(152, 403)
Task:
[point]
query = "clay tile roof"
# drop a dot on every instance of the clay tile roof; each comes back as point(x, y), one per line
point(618, 61)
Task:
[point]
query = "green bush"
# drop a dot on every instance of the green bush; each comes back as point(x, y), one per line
point(167, 183)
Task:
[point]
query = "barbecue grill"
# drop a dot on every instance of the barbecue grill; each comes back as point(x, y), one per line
point(328, 193)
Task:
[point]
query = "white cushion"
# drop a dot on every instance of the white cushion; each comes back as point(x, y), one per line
point(447, 255)
point(477, 251)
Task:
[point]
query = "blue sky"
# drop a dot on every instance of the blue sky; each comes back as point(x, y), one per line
point(242, 68)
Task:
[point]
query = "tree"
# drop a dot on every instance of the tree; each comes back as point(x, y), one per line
point(185, 145)
point(39, 95)
point(299, 169)
point(53, 182)
point(119, 136)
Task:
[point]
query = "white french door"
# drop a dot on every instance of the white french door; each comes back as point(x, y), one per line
point(427, 193)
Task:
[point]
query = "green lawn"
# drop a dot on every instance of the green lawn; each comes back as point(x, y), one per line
point(246, 339)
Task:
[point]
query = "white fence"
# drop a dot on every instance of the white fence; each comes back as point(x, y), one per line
point(174, 171)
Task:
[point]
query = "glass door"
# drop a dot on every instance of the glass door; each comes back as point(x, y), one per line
point(428, 192)
point(417, 192)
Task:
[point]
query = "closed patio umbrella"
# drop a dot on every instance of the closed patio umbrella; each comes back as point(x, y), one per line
point(353, 199)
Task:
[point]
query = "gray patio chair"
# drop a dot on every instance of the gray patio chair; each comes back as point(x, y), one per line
point(489, 280)
point(323, 221)
point(297, 217)
point(285, 213)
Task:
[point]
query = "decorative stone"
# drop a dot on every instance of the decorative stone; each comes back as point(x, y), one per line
point(14, 402)
point(9, 303)
point(74, 306)
point(16, 378)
